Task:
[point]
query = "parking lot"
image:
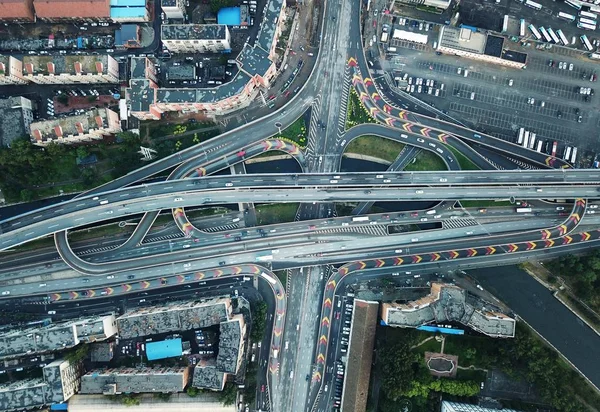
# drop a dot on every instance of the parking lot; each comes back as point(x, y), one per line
point(553, 97)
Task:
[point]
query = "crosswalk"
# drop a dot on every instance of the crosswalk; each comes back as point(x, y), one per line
point(313, 128)
point(374, 230)
point(221, 228)
point(344, 104)
point(458, 223)
point(522, 164)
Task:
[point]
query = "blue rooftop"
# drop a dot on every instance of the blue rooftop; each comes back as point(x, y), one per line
point(122, 12)
point(163, 349)
point(128, 3)
point(230, 16)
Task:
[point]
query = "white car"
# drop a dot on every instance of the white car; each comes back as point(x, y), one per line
point(178, 199)
point(443, 179)
point(6, 292)
point(229, 184)
point(110, 277)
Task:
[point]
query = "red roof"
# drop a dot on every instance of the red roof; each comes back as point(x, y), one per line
point(65, 9)
point(16, 9)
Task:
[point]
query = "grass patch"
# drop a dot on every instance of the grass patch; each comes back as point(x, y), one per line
point(282, 276)
point(276, 213)
point(375, 146)
point(426, 161)
point(485, 203)
point(356, 112)
point(296, 132)
point(463, 161)
point(431, 345)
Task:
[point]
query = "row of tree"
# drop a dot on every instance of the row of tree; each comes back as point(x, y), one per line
point(583, 274)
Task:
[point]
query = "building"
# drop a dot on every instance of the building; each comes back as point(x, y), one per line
point(128, 36)
point(16, 115)
point(196, 38)
point(479, 46)
point(257, 70)
point(65, 10)
point(58, 383)
point(449, 303)
point(56, 336)
point(174, 317)
point(173, 9)
point(102, 351)
point(80, 69)
point(208, 376)
point(438, 4)
point(17, 11)
point(163, 349)
point(93, 125)
point(134, 380)
point(230, 16)
point(231, 344)
point(360, 356)
point(203, 402)
point(11, 71)
point(129, 11)
point(448, 406)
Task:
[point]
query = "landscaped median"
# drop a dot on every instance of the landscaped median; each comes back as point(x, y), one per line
point(375, 147)
point(356, 112)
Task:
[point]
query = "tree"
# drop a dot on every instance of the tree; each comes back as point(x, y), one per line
point(228, 395)
point(259, 315)
point(63, 99)
point(192, 391)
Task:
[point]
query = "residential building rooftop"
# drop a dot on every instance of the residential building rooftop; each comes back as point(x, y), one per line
point(68, 9)
point(450, 303)
point(360, 355)
point(266, 35)
point(101, 351)
point(230, 344)
point(70, 64)
point(254, 60)
point(134, 380)
point(16, 115)
point(53, 337)
point(16, 10)
point(180, 402)
point(193, 32)
point(174, 317)
point(207, 376)
point(71, 126)
point(449, 406)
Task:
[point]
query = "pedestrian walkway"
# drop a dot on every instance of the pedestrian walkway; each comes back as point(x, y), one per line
point(458, 223)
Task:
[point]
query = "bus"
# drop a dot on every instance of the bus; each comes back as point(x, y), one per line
point(587, 21)
point(545, 34)
point(586, 26)
point(576, 6)
point(586, 42)
point(553, 35)
point(533, 4)
point(360, 219)
point(554, 148)
point(532, 140)
point(534, 31)
point(526, 139)
point(562, 37)
point(566, 16)
point(567, 154)
point(522, 31)
point(574, 155)
point(588, 15)
point(521, 133)
point(539, 146)
point(523, 209)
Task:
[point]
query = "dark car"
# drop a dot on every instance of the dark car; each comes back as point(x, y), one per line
point(237, 238)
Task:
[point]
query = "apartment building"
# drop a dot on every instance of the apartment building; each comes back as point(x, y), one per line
point(65, 10)
point(173, 9)
point(257, 64)
point(11, 71)
point(82, 69)
point(17, 11)
point(16, 115)
point(93, 125)
point(196, 38)
point(135, 380)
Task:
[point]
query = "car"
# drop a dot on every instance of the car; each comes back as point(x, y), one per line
point(414, 239)
point(229, 184)
point(5, 292)
point(510, 82)
point(423, 219)
point(419, 192)
point(262, 388)
point(43, 285)
point(110, 277)
point(443, 179)
point(420, 140)
point(593, 206)
point(312, 227)
point(560, 208)
point(178, 199)
point(51, 312)
point(571, 67)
